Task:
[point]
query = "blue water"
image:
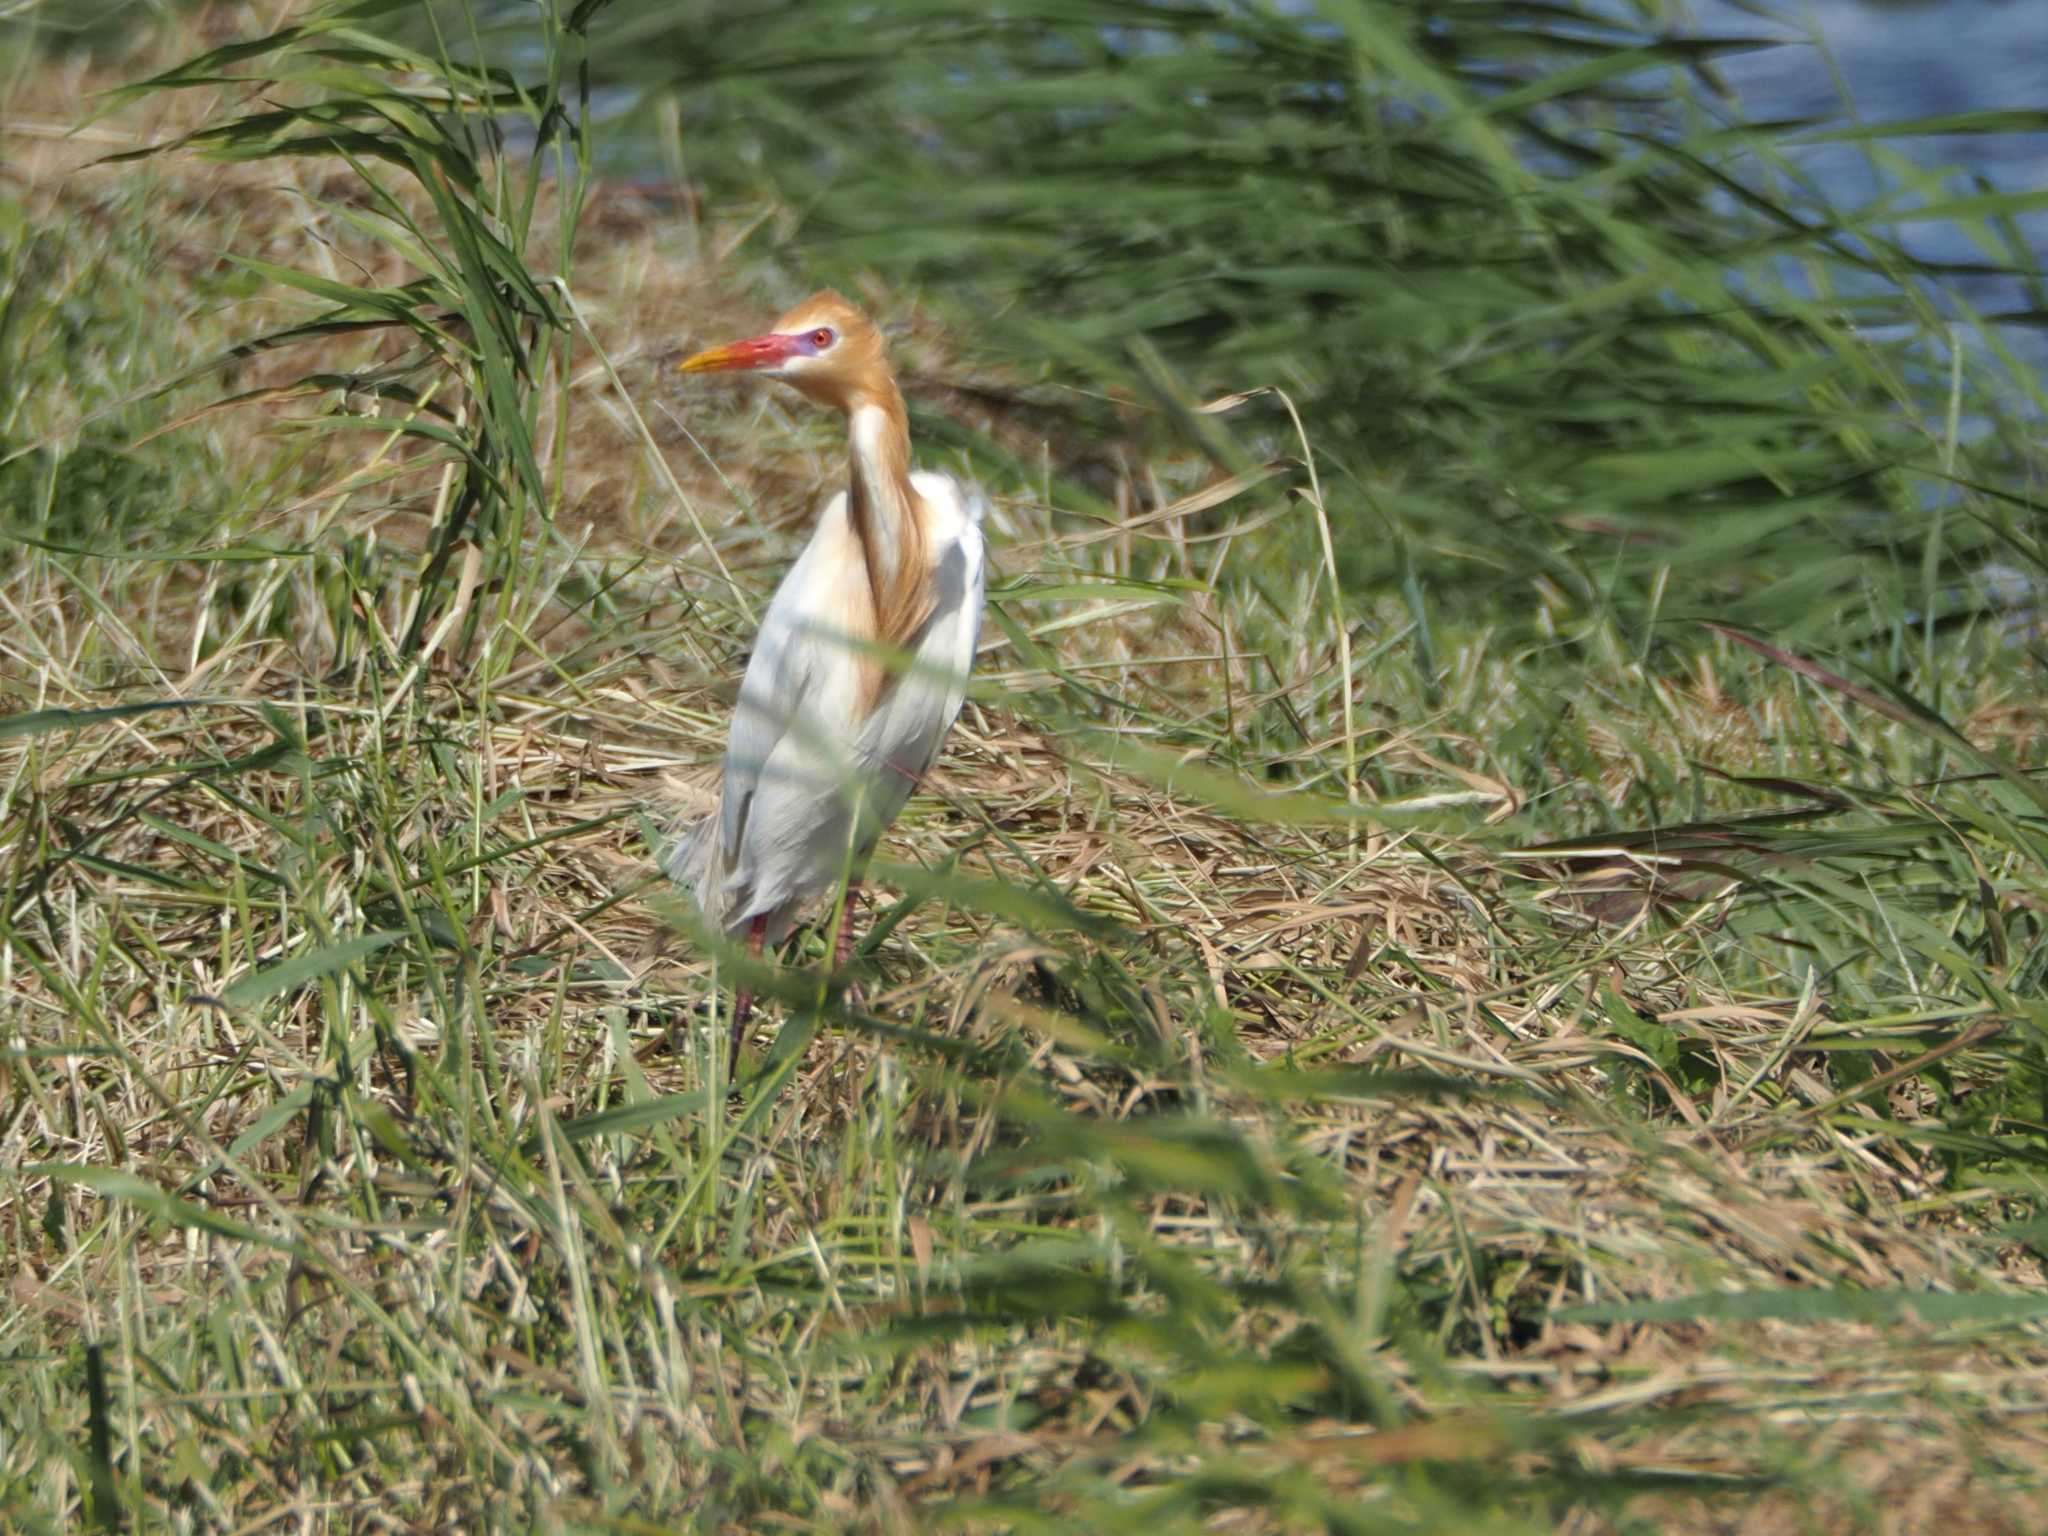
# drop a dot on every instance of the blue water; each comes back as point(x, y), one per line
point(1878, 61)
point(1898, 59)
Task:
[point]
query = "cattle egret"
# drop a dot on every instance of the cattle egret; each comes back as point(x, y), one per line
point(862, 658)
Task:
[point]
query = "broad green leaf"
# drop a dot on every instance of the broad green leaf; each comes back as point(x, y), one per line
point(39, 722)
point(310, 965)
point(1819, 1306)
point(114, 1184)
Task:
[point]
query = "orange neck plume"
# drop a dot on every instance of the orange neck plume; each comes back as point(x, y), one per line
point(888, 518)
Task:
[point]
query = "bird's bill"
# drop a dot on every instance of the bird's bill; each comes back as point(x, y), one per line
point(755, 352)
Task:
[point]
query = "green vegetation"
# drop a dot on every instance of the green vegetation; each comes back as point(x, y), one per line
point(1527, 289)
point(1473, 964)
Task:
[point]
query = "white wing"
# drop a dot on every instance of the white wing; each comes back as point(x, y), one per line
point(902, 738)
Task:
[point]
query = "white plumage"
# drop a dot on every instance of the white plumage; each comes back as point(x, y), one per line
point(863, 655)
point(809, 784)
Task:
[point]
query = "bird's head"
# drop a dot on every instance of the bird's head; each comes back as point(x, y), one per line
point(824, 346)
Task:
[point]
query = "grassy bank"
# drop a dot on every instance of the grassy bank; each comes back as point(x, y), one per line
point(1345, 1045)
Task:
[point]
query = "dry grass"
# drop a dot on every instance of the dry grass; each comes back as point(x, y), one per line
point(384, 1270)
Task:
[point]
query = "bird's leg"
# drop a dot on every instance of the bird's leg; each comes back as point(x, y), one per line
point(743, 995)
point(842, 942)
point(914, 780)
point(850, 995)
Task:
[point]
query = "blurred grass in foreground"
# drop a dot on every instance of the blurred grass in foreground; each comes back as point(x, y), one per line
point(1575, 343)
point(1248, 1128)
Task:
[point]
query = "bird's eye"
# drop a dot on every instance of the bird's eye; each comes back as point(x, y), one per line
point(821, 338)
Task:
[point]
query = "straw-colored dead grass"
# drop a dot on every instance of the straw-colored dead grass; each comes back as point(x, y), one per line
point(150, 870)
